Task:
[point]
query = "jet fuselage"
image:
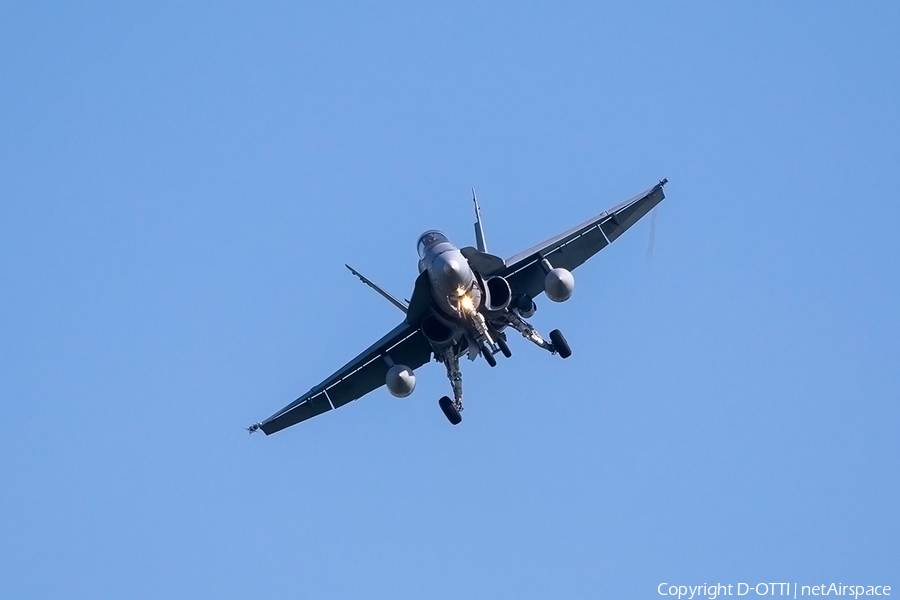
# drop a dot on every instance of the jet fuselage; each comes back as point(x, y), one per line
point(454, 286)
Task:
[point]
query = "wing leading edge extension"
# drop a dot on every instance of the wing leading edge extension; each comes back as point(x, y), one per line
point(405, 345)
point(573, 247)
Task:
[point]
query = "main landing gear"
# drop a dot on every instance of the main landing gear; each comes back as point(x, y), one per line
point(556, 345)
point(450, 411)
point(560, 344)
point(452, 408)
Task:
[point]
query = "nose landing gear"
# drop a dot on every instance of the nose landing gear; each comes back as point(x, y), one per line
point(485, 341)
point(488, 355)
point(504, 347)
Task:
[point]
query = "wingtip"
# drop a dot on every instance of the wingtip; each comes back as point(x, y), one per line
point(663, 182)
point(252, 429)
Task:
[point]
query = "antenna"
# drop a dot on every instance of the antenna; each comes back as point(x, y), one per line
point(479, 230)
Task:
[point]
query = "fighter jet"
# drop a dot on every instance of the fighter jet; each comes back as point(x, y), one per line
point(464, 302)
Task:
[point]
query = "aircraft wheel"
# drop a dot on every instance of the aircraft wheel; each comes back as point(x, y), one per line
point(450, 411)
point(488, 356)
point(504, 347)
point(560, 343)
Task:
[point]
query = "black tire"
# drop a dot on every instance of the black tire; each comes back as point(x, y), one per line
point(504, 347)
point(560, 343)
point(450, 411)
point(488, 356)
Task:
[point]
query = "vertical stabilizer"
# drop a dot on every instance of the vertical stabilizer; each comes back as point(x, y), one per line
point(479, 230)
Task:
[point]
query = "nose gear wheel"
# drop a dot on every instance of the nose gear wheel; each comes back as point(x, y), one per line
point(504, 347)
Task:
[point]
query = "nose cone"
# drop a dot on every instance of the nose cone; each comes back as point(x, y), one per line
point(450, 271)
point(451, 268)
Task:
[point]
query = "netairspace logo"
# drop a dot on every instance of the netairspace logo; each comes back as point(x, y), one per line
point(713, 591)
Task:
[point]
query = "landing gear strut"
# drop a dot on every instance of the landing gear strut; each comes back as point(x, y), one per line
point(556, 345)
point(485, 342)
point(452, 408)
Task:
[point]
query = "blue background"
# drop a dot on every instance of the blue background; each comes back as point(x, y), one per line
point(180, 185)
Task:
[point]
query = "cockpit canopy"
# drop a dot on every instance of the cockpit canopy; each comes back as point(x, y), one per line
point(428, 240)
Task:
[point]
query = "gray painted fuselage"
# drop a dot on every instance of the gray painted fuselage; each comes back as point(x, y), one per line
point(453, 282)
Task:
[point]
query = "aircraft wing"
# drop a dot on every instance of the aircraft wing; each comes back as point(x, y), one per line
point(571, 248)
point(405, 345)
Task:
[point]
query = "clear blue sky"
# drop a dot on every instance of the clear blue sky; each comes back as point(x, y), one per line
point(181, 184)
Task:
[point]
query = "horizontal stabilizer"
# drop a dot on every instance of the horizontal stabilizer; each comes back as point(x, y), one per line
point(398, 303)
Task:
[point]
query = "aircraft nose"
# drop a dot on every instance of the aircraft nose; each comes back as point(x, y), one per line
point(449, 271)
point(451, 268)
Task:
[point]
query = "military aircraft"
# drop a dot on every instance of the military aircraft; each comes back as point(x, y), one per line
point(463, 303)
